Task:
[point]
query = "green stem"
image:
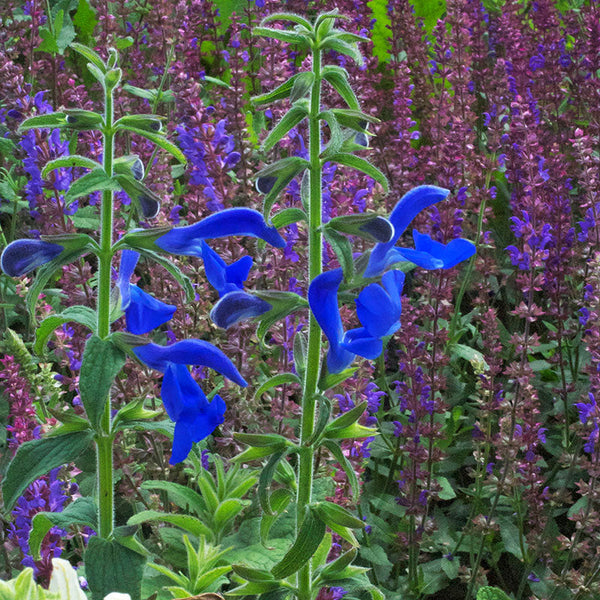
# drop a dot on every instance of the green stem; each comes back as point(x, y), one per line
point(315, 252)
point(104, 438)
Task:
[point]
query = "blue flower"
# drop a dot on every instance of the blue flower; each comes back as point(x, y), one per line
point(22, 256)
point(407, 208)
point(194, 416)
point(237, 306)
point(143, 313)
point(430, 254)
point(232, 221)
point(378, 309)
point(225, 278)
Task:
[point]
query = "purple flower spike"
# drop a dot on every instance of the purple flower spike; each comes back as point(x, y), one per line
point(189, 352)
point(22, 256)
point(322, 298)
point(195, 418)
point(237, 306)
point(143, 313)
point(407, 208)
point(225, 278)
point(233, 221)
point(430, 254)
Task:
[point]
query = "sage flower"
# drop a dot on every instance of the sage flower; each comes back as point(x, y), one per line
point(22, 256)
point(225, 278)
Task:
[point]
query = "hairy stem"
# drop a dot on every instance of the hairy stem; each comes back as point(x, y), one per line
point(305, 469)
point(104, 438)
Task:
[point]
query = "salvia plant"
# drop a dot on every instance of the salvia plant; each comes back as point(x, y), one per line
point(369, 282)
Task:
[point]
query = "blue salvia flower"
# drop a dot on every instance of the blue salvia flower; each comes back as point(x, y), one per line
point(225, 278)
point(378, 309)
point(407, 208)
point(22, 256)
point(232, 221)
point(431, 254)
point(142, 311)
point(237, 306)
point(194, 416)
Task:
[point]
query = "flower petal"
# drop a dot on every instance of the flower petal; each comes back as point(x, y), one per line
point(225, 278)
point(145, 312)
point(22, 256)
point(431, 254)
point(189, 352)
point(361, 342)
point(237, 306)
point(322, 298)
point(129, 260)
point(407, 208)
point(232, 221)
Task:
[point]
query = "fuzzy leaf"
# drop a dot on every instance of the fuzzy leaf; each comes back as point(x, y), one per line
point(360, 164)
point(74, 160)
point(80, 314)
point(276, 380)
point(338, 79)
point(50, 121)
point(190, 524)
point(294, 116)
point(94, 181)
point(159, 140)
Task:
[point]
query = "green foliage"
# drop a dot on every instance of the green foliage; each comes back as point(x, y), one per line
point(23, 587)
point(205, 570)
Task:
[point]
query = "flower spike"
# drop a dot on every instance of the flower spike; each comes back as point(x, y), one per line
point(232, 221)
point(22, 256)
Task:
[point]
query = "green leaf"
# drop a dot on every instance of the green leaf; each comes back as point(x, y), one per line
point(145, 122)
point(284, 171)
point(302, 85)
point(282, 35)
point(80, 314)
point(279, 93)
point(309, 537)
point(509, 533)
point(294, 116)
point(74, 160)
point(84, 120)
point(447, 492)
point(266, 477)
point(348, 418)
point(351, 432)
point(94, 181)
point(111, 567)
point(334, 379)
point(340, 244)
point(254, 588)
point(491, 593)
point(324, 405)
point(83, 511)
point(261, 440)
point(275, 381)
point(370, 227)
point(50, 121)
point(337, 77)
point(255, 453)
point(37, 457)
point(338, 515)
point(190, 524)
point(278, 501)
point(102, 361)
point(151, 95)
point(90, 54)
point(85, 20)
point(283, 303)
point(347, 467)
point(286, 16)
point(339, 564)
point(227, 510)
point(360, 164)
point(183, 496)
point(250, 574)
point(341, 47)
point(354, 119)
point(159, 140)
point(287, 216)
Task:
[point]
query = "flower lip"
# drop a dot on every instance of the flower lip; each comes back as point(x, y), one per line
point(22, 256)
point(237, 306)
point(232, 221)
point(225, 278)
point(189, 352)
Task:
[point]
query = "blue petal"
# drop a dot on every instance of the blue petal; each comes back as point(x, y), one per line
point(22, 256)
point(237, 306)
point(361, 342)
point(431, 254)
point(421, 259)
point(129, 260)
point(373, 309)
point(233, 221)
point(322, 298)
point(189, 352)
point(180, 393)
point(458, 250)
point(145, 312)
point(222, 277)
point(407, 208)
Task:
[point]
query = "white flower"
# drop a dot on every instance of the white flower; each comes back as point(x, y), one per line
point(64, 581)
